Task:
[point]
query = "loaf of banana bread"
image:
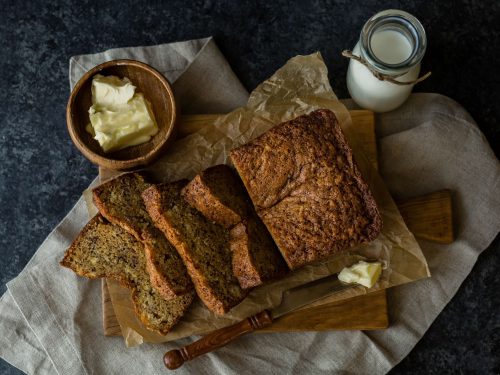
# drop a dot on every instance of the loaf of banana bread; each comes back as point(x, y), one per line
point(307, 188)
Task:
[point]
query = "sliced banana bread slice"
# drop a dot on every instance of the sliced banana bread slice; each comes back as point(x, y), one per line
point(103, 249)
point(256, 259)
point(203, 245)
point(219, 195)
point(166, 270)
point(119, 200)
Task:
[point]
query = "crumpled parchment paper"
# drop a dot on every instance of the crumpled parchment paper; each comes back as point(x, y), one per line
point(299, 87)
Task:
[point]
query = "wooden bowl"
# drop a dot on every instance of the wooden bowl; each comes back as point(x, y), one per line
point(156, 90)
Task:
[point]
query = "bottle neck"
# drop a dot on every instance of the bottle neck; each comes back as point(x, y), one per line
point(392, 42)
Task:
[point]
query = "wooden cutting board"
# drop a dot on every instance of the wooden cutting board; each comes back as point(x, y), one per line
point(428, 217)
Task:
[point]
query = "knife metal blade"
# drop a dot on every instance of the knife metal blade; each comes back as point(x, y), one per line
point(305, 294)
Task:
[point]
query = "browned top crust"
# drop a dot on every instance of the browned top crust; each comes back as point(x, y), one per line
point(307, 189)
point(219, 195)
point(103, 249)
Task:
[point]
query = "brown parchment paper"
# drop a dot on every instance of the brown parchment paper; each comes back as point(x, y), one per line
point(299, 87)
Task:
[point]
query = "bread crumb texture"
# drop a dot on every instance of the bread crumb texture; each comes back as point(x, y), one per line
point(202, 244)
point(103, 249)
point(119, 201)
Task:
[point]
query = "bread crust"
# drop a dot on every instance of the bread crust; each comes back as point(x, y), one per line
point(307, 188)
point(243, 266)
point(201, 193)
point(249, 239)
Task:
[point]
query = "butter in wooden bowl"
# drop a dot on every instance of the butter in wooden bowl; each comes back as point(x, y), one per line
point(143, 105)
point(119, 116)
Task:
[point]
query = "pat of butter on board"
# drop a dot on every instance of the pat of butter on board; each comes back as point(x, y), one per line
point(362, 273)
point(119, 116)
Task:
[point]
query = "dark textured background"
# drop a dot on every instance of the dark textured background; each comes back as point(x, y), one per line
point(42, 175)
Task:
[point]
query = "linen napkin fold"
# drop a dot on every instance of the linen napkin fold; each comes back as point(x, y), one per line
point(49, 317)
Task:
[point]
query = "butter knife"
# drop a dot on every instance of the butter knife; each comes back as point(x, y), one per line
point(291, 300)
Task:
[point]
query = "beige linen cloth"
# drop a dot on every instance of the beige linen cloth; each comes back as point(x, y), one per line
point(49, 320)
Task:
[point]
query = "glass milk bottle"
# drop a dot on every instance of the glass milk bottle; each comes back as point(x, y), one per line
point(391, 46)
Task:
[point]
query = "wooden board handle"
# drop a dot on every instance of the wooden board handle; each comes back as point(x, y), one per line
point(175, 358)
point(429, 216)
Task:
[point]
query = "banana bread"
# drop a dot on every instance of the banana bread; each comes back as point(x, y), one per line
point(255, 256)
point(119, 201)
point(307, 189)
point(202, 244)
point(219, 195)
point(103, 249)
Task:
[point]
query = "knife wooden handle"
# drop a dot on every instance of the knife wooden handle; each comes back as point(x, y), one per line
point(175, 358)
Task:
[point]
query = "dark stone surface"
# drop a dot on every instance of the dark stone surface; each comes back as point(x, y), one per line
point(42, 174)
